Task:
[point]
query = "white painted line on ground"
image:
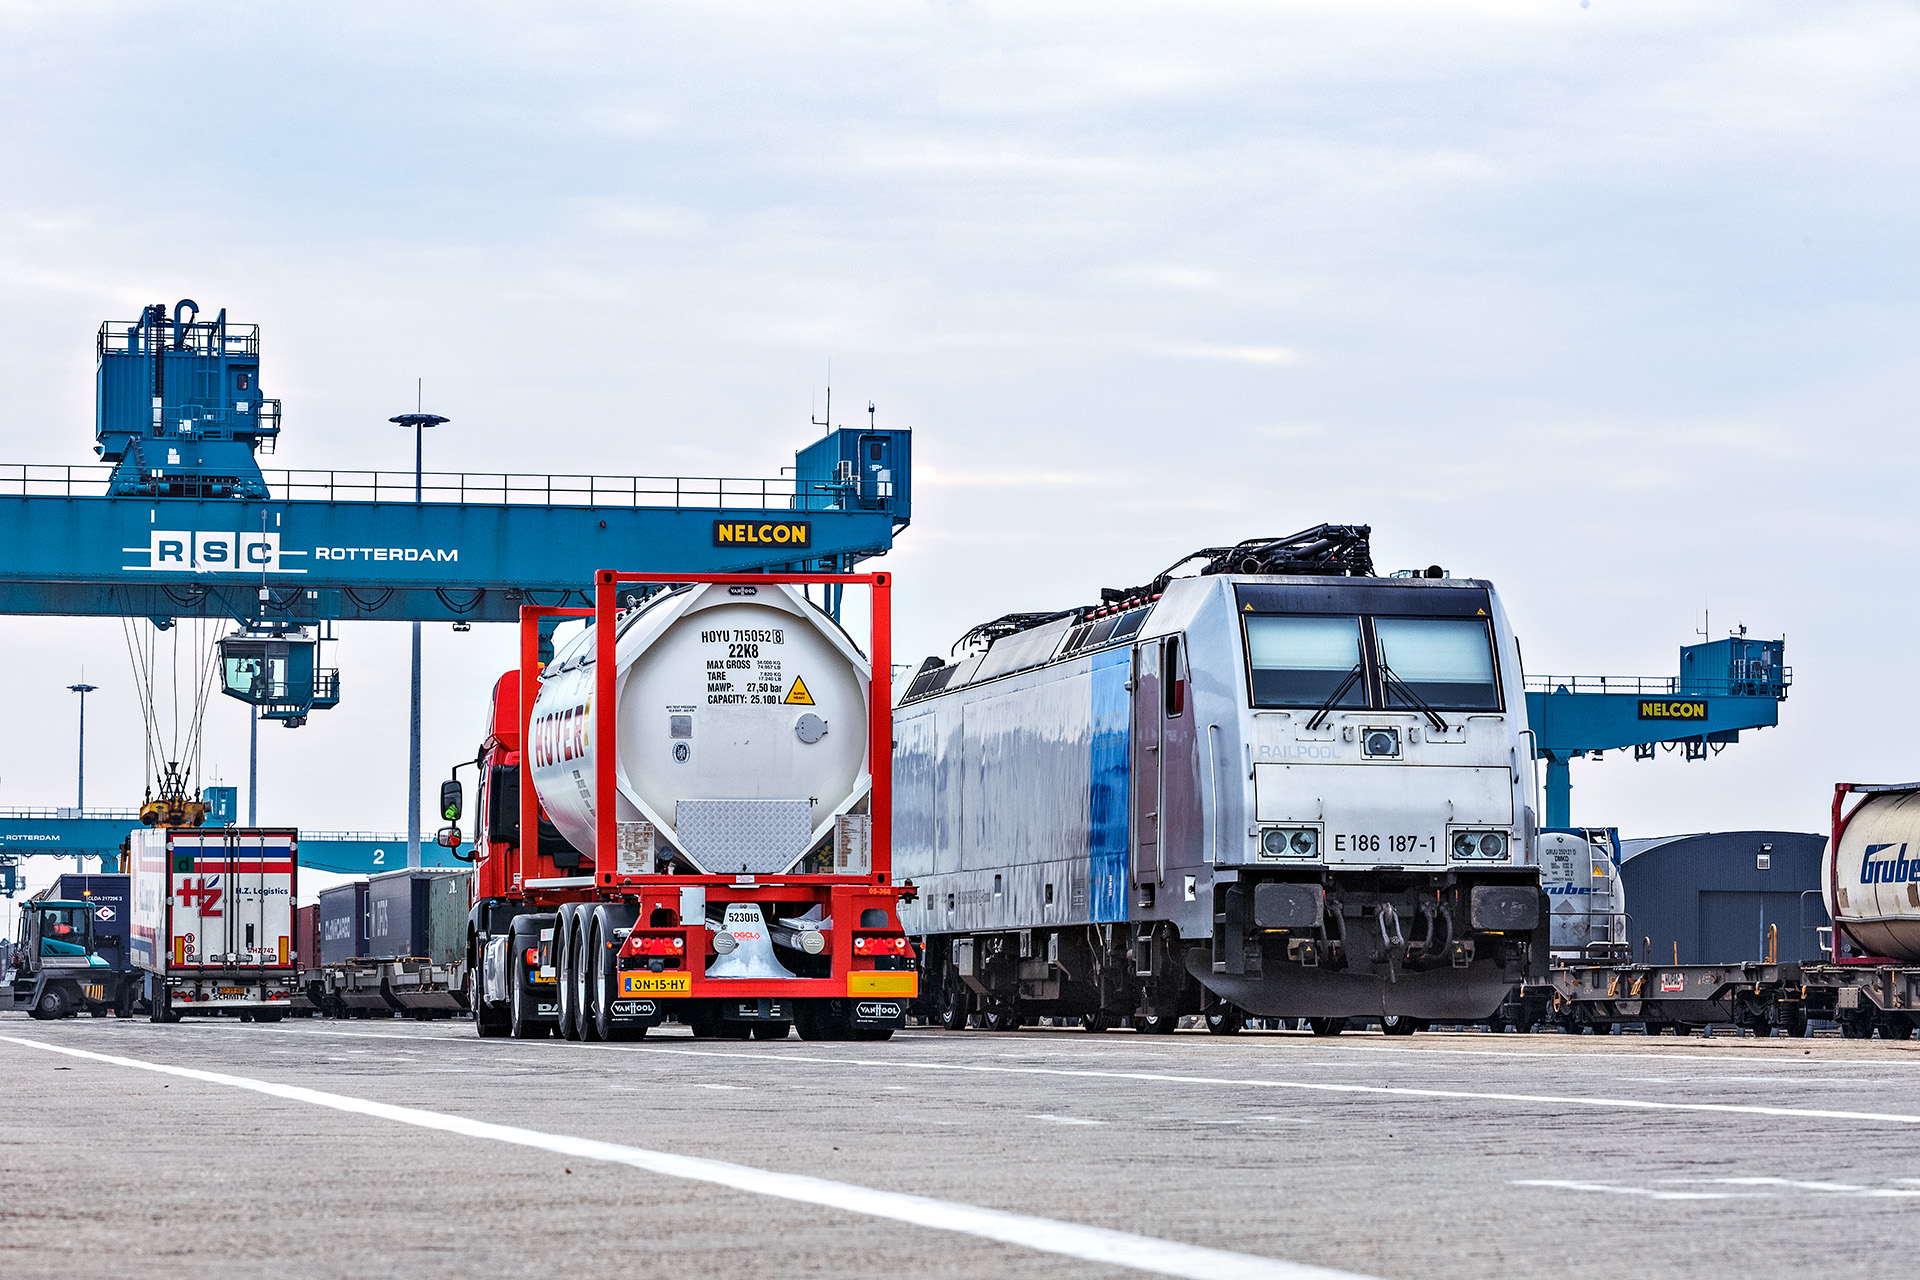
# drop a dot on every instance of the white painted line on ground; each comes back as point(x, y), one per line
point(1827, 1190)
point(1836, 1188)
point(1304, 1086)
point(1563, 1184)
point(1065, 1119)
point(1089, 1244)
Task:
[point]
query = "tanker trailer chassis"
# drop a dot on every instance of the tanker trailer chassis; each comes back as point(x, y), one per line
point(607, 947)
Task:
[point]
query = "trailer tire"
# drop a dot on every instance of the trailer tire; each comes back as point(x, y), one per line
point(603, 971)
point(1327, 1026)
point(817, 1020)
point(521, 1024)
point(1098, 1020)
point(1398, 1024)
point(567, 1026)
point(269, 1015)
point(771, 1030)
point(586, 948)
point(1156, 1025)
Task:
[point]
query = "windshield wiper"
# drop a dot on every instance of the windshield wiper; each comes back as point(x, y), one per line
point(1407, 690)
point(1338, 694)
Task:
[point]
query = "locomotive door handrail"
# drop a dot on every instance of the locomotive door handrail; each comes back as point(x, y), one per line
point(1213, 795)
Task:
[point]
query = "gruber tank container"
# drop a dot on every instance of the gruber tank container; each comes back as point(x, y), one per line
point(1871, 874)
point(741, 716)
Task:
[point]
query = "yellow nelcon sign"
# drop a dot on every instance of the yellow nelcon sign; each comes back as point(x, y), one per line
point(762, 533)
point(1673, 709)
point(655, 984)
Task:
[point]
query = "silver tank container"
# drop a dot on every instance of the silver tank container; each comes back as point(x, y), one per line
point(1871, 880)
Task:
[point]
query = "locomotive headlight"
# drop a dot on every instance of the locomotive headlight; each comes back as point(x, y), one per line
point(1303, 843)
point(1463, 845)
point(1380, 742)
point(1493, 845)
point(1273, 842)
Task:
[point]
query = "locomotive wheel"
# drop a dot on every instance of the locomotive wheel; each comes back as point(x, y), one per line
point(520, 1005)
point(1896, 1027)
point(956, 1006)
point(1003, 1016)
point(1327, 1026)
point(1225, 1020)
point(1397, 1024)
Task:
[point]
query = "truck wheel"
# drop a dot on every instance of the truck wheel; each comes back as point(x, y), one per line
point(487, 1021)
point(567, 1027)
point(49, 1006)
point(520, 1005)
point(1099, 1020)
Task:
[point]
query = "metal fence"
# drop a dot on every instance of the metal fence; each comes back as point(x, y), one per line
point(490, 488)
point(1662, 686)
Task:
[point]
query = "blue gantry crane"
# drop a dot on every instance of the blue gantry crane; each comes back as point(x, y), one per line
point(1724, 687)
point(178, 520)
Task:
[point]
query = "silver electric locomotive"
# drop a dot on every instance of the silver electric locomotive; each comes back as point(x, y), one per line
point(1268, 783)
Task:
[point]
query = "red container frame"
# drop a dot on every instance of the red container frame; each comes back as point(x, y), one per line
point(841, 894)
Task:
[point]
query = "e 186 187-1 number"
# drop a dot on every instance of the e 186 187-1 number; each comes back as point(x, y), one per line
point(1359, 842)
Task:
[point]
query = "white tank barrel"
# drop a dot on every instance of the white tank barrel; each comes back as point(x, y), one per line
point(1589, 904)
point(741, 717)
point(1873, 893)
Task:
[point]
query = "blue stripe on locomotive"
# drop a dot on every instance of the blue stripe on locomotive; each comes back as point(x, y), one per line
point(1108, 801)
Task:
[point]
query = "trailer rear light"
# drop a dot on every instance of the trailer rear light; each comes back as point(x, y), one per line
point(654, 946)
point(898, 946)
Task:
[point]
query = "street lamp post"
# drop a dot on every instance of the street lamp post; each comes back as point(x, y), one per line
point(80, 800)
point(419, 422)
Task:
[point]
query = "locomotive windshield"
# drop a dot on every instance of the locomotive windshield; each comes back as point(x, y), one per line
point(1445, 663)
point(1302, 661)
point(1381, 663)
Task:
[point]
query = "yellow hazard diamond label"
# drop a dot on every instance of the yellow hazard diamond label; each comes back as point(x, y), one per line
point(798, 695)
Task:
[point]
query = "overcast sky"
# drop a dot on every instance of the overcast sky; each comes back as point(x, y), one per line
point(1613, 305)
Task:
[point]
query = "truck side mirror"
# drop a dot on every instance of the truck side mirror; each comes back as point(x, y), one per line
point(452, 800)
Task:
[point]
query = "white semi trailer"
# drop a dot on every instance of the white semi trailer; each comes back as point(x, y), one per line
point(213, 921)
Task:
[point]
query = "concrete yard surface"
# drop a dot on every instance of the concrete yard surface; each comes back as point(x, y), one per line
point(391, 1148)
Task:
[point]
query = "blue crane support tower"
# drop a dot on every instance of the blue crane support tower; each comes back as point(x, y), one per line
point(178, 520)
point(1724, 686)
